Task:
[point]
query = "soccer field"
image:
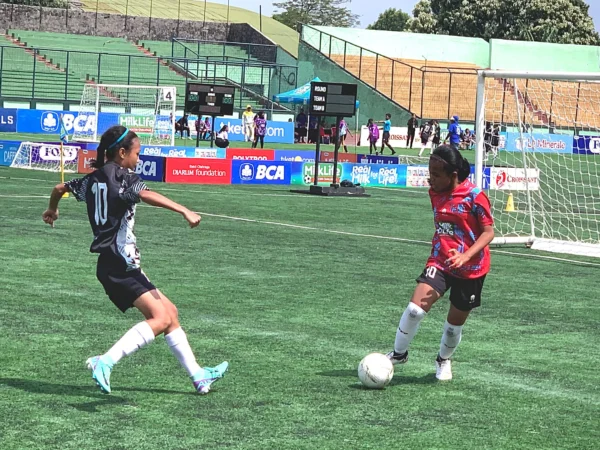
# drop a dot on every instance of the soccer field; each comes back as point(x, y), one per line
point(293, 290)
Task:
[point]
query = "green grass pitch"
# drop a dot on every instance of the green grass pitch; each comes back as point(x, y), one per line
point(293, 291)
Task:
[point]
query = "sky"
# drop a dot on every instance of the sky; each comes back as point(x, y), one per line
point(368, 12)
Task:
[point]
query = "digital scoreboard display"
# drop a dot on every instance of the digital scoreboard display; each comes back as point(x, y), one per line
point(333, 99)
point(212, 99)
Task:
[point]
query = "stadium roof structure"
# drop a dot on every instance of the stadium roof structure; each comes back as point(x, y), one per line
point(194, 10)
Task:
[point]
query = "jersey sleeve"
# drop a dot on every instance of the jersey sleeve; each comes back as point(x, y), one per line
point(135, 185)
point(78, 187)
point(483, 210)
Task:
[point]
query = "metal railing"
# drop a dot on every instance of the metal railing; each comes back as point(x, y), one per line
point(186, 48)
point(49, 75)
point(429, 91)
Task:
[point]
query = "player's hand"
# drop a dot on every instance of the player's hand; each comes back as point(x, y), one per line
point(457, 260)
point(50, 216)
point(192, 218)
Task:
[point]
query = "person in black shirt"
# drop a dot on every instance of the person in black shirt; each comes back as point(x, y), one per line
point(182, 125)
point(111, 193)
point(412, 125)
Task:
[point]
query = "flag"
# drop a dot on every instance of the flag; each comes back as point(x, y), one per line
point(64, 137)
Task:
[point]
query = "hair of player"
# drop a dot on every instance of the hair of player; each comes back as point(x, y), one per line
point(455, 162)
point(223, 128)
point(111, 141)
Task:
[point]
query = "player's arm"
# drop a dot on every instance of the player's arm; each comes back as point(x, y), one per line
point(76, 186)
point(155, 199)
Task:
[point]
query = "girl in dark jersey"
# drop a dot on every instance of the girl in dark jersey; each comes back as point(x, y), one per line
point(460, 257)
point(111, 193)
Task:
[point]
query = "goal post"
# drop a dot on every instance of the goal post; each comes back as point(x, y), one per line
point(48, 157)
point(538, 157)
point(149, 111)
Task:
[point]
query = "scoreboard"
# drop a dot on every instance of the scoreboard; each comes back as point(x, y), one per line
point(332, 99)
point(212, 99)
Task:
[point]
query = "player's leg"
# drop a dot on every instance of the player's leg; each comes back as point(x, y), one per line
point(431, 286)
point(465, 295)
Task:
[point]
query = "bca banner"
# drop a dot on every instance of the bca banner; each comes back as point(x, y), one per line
point(586, 145)
point(263, 172)
point(282, 132)
point(149, 168)
point(513, 179)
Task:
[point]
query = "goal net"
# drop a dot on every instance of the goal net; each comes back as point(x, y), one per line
point(538, 157)
point(149, 111)
point(37, 156)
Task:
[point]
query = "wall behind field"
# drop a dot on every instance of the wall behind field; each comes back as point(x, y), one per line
point(111, 25)
point(537, 56)
point(313, 64)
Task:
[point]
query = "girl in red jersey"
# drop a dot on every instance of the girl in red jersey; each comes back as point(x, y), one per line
point(460, 257)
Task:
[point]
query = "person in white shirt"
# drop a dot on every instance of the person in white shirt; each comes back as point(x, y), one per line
point(248, 123)
point(222, 139)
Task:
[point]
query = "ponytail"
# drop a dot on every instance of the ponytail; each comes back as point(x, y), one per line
point(455, 162)
point(113, 139)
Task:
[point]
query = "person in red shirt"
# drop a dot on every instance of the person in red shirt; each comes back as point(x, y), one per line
point(459, 260)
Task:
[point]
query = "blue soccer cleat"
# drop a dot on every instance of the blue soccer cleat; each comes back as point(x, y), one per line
point(100, 372)
point(207, 376)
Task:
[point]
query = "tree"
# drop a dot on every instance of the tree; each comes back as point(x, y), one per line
point(391, 19)
point(557, 21)
point(315, 12)
point(423, 21)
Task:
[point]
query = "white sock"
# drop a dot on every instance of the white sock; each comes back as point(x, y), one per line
point(450, 340)
point(180, 347)
point(137, 337)
point(408, 327)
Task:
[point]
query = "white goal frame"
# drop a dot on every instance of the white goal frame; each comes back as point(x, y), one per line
point(535, 237)
point(95, 107)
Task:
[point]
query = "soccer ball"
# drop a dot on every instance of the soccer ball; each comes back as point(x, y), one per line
point(375, 371)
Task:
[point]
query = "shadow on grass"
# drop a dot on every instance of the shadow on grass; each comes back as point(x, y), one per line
point(398, 378)
point(44, 387)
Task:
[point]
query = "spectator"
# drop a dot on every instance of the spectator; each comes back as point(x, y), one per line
point(454, 133)
point(222, 139)
point(301, 125)
point(260, 130)
point(182, 125)
point(248, 118)
point(412, 125)
point(467, 140)
point(373, 136)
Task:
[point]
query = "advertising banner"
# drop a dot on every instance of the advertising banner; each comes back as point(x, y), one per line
point(182, 152)
point(198, 171)
point(44, 153)
point(538, 142)
point(418, 176)
point(342, 157)
point(263, 172)
point(398, 136)
point(8, 150)
point(281, 132)
point(586, 145)
point(377, 159)
point(513, 179)
point(250, 154)
point(149, 168)
point(376, 175)
point(48, 122)
point(8, 120)
point(304, 173)
point(295, 155)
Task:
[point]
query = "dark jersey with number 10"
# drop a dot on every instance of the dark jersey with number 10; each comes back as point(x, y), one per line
point(111, 194)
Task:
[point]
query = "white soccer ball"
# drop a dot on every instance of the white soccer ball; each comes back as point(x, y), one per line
point(375, 371)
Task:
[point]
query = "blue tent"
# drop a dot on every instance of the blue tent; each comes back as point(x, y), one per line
point(300, 95)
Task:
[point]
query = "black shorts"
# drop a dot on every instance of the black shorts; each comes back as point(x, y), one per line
point(122, 286)
point(424, 139)
point(465, 294)
point(386, 136)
